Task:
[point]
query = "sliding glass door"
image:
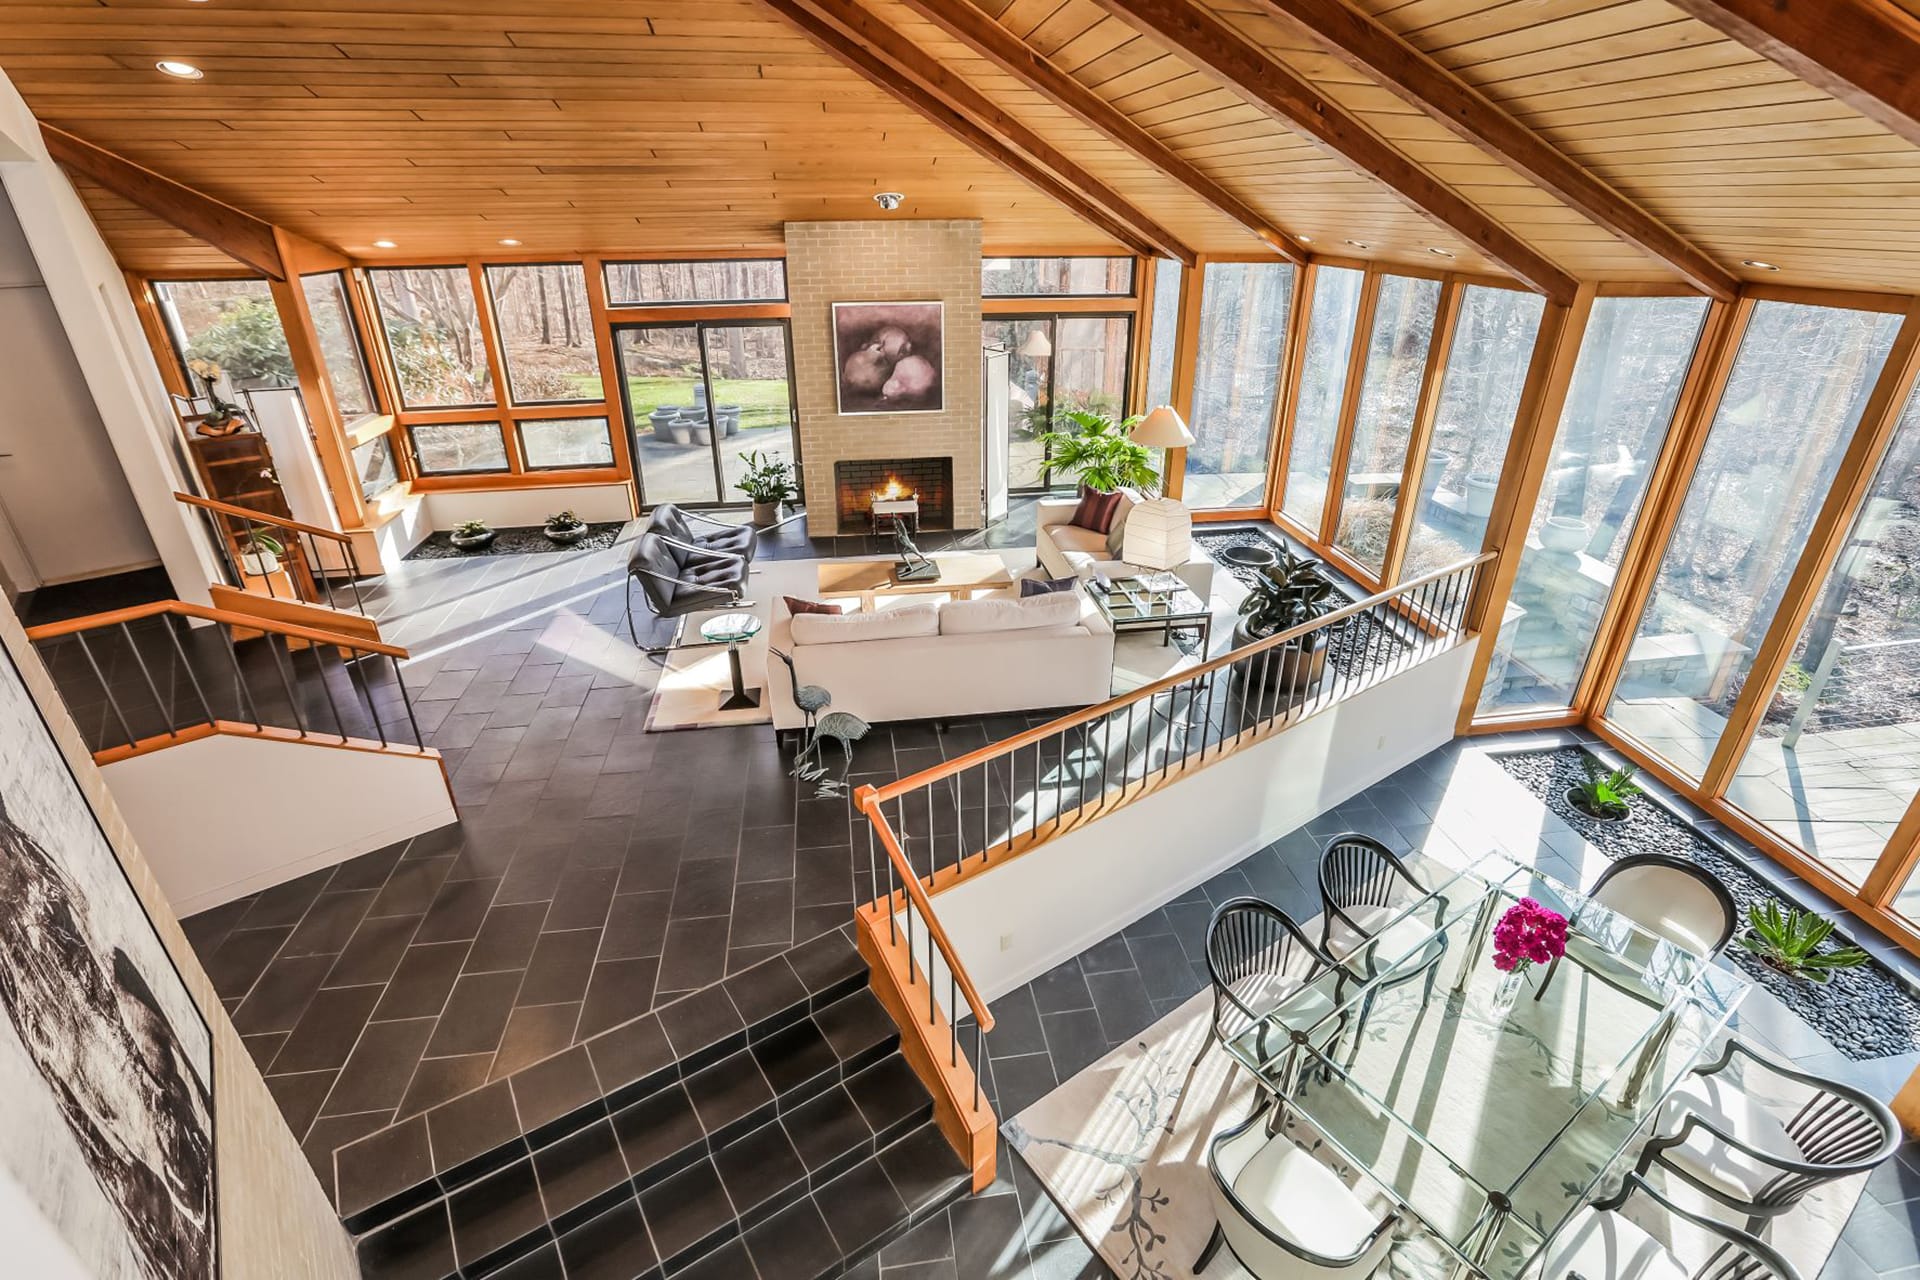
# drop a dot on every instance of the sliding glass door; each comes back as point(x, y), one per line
point(1056, 364)
point(699, 397)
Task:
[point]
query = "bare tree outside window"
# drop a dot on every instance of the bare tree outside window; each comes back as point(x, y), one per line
point(432, 328)
point(546, 332)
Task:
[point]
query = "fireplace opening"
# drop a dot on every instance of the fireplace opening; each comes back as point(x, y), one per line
point(917, 490)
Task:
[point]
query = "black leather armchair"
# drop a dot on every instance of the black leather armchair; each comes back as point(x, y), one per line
point(680, 578)
point(706, 533)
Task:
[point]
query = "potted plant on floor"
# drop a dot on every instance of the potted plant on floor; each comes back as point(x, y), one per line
point(1098, 452)
point(565, 528)
point(260, 552)
point(769, 482)
point(1607, 794)
point(1288, 593)
point(472, 535)
point(1789, 941)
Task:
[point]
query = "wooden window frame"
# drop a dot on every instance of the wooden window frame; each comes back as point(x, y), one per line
point(505, 375)
point(1132, 294)
point(688, 259)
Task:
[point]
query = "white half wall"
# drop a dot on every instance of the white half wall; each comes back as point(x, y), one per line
point(1021, 919)
point(228, 815)
point(519, 508)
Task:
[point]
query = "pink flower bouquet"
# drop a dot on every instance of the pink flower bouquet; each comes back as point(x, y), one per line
point(1528, 934)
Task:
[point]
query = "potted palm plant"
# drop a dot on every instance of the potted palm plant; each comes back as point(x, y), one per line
point(565, 527)
point(768, 480)
point(1288, 593)
point(1099, 453)
point(1606, 795)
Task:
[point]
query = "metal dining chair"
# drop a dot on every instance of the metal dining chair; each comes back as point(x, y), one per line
point(1600, 1242)
point(1283, 1214)
point(1713, 1134)
point(1363, 886)
point(1669, 897)
point(1257, 956)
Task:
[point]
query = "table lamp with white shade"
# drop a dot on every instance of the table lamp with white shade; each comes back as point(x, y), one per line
point(1159, 531)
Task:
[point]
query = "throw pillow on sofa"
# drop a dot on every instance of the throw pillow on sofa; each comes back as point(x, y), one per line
point(900, 623)
point(796, 606)
point(1054, 611)
point(1042, 586)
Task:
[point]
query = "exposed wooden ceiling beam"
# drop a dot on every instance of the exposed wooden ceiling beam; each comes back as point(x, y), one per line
point(234, 232)
point(1364, 44)
point(883, 56)
point(1863, 52)
point(1199, 37)
point(1017, 58)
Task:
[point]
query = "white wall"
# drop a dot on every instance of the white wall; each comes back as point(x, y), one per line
point(1019, 920)
point(228, 815)
point(66, 502)
point(515, 508)
point(89, 295)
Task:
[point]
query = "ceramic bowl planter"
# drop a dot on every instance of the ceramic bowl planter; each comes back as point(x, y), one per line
point(1247, 557)
point(1564, 534)
point(1480, 490)
point(473, 541)
point(566, 528)
point(260, 564)
point(728, 417)
point(1573, 803)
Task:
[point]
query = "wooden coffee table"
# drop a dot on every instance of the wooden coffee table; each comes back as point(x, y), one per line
point(962, 574)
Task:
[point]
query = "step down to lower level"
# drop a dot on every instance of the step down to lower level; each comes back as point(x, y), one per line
point(626, 1161)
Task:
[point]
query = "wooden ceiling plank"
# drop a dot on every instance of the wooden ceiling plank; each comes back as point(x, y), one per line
point(1014, 56)
point(1863, 52)
point(1367, 46)
point(1199, 36)
point(232, 231)
point(882, 73)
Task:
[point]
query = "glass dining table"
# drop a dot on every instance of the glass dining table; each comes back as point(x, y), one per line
point(1489, 1118)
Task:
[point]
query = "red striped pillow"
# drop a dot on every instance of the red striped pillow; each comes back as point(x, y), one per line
point(1096, 511)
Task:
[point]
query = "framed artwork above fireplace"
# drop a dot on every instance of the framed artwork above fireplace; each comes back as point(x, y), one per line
point(889, 357)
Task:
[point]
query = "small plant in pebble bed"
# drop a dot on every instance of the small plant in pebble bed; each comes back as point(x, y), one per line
point(1789, 941)
point(1606, 794)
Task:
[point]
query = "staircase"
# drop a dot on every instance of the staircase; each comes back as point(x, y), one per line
point(771, 1116)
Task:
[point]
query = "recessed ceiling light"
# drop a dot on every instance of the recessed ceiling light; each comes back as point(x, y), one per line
point(178, 70)
point(1758, 265)
point(1360, 244)
point(385, 244)
point(1438, 252)
point(1304, 239)
point(890, 200)
point(511, 243)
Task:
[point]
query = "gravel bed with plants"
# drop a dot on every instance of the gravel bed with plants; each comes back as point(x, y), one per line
point(1866, 1012)
point(516, 542)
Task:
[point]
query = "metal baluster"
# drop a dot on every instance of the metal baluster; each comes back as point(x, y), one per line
point(1033, 798)
point(900, 807)
point(873, 870)
point(979, 1057)
point(1186, 739)
point(239, 674)
point(1059, 773)
point(293, 700)
point(320, 669)
point(365, 691)
point(406, 700)
point(1126, 753)
point(986, 807)
point(1166, 752)
point(186, 665)
point(106, 690)
point(930, 844)
point(166, 706)
point(1106, 755)
point(932, 1015)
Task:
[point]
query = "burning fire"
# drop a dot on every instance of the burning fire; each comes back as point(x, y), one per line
point(894, 492)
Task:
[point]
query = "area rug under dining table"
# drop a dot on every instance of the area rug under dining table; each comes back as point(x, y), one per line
point(1122, 1149)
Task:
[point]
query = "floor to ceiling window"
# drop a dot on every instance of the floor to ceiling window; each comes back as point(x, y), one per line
point(1836, 758)
point(1244, 310)
point(339, 341)
point(1799, 383)
point(1163, 328)
point(1626, 383)
point(1403, 321)
point(1331, 321)
point(1479, 396)
point(1057, 364)
point(432, 325)
point(228, 330)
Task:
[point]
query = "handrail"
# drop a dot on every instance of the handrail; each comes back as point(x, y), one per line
point(180, 608)
point(863, 797)
point(1028, 737)
point(262, 517)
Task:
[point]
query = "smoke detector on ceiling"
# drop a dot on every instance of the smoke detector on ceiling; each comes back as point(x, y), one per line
point(890, 200)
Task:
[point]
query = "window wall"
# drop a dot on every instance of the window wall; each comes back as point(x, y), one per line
point(546, 332)
point(1619, 407)
point(346, 362)
point(1403, 323)
point(1163, 333)
point(1331, 322)
point(730, 280)
point(227, 331)
point(1057, 364)
point(432, 327)
point(1056, 277)
point(1798, 385)
point(1244, 313)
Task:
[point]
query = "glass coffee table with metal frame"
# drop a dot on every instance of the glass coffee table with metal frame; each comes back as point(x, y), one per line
point(1153, 602)
point(1490, 1123)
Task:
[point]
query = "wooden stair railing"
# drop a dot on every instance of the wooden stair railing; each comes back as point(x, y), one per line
point(305, 588)
point(138, 680)
point(1071, 771)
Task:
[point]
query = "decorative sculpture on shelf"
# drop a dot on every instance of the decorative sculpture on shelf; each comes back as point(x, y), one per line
point(914, 565)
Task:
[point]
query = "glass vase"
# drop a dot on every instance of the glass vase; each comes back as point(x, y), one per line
point(1507, 993)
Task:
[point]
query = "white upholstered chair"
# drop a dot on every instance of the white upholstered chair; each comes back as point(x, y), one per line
point(1285, 1215)
point(1600, 1243)
point(1670, 898)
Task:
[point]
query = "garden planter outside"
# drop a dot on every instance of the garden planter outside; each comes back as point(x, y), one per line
point(1564, 534)
point(1480, 490)
point(728, 416)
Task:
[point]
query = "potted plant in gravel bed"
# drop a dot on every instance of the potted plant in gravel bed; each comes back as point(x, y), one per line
point(565, 528)
point(1789, 942)
point(768, 480)
point(471, 535)
point(1607, 794)
point(1289, 593)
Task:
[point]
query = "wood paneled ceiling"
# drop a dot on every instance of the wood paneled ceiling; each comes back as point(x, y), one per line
point(656, 126)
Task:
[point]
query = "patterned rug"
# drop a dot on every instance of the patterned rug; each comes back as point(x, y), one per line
point(1122, 1146)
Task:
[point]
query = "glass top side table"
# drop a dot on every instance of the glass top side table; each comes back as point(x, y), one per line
point(734, 630)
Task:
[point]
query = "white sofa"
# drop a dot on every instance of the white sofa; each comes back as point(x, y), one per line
point(914, 677)
point(1067, 550)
